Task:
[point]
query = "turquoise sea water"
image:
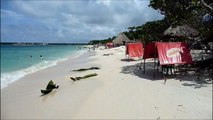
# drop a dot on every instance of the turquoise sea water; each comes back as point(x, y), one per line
point(18, 61)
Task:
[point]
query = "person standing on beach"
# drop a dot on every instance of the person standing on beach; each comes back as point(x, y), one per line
point(89, 49)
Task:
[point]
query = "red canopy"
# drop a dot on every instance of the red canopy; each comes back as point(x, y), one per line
point(150, 51)
point(134, 49)
point(168, 52)
point(109, 44)
point(173, 53)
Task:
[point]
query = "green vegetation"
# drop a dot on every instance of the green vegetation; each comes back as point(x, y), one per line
point(176, 12)
point(92, 42)
point(180, 12)
point(150, 31)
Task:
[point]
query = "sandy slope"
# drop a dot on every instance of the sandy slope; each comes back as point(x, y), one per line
point(119, 91)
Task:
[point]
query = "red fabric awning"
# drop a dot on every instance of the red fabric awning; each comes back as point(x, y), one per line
point(173, 53)
point(150, 51)
point(109, 44)
point(134, 49)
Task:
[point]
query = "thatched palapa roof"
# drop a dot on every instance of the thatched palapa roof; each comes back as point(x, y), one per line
point(183, 30)
point(120, 39)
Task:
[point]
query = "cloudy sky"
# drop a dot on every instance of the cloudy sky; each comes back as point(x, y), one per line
point(71, 21)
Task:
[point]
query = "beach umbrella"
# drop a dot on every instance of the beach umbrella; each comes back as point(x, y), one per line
point(181, 31)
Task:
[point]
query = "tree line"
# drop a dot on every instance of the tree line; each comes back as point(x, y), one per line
point(195, 13)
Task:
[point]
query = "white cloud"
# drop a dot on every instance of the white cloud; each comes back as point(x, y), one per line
point(64, 21)
point(38, 9)
point(104, 2)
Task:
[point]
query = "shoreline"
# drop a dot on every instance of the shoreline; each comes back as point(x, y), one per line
point(120, 91)
point(27, 89)
point(34, 68)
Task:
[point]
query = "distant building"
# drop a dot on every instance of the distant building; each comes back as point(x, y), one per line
point(121, 39)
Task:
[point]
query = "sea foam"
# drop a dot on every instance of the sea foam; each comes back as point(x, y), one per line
point(9, 77)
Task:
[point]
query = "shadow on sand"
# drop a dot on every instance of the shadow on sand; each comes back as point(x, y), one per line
point(128, 59)
point(193, 81)
point(149, 73)
point(51, 94)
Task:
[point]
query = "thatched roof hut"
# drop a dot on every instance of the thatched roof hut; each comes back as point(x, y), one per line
point(121, 39)
point(183, 30)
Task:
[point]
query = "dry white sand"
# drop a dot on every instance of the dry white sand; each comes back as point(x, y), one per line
point(120, 91)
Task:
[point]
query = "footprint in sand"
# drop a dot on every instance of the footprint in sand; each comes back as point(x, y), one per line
point(181, 108)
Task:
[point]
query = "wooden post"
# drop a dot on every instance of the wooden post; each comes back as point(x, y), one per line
point(144, 66)
point(154, 68)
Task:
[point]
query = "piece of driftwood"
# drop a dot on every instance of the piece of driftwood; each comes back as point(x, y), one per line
point(44, 92)
point(107, 54)
point(86, 76)
point(49, 88)
point(84, 69)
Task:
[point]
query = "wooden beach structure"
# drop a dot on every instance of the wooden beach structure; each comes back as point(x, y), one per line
point(179, 31)
point(121, 39)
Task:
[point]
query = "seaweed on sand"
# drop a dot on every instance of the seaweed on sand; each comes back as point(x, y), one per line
point(84, 69)
point(44, 92)
point(107, 54)
point(49, 88)
point(86, 76)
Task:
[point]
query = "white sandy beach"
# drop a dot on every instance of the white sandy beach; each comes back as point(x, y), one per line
point(120, 91)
